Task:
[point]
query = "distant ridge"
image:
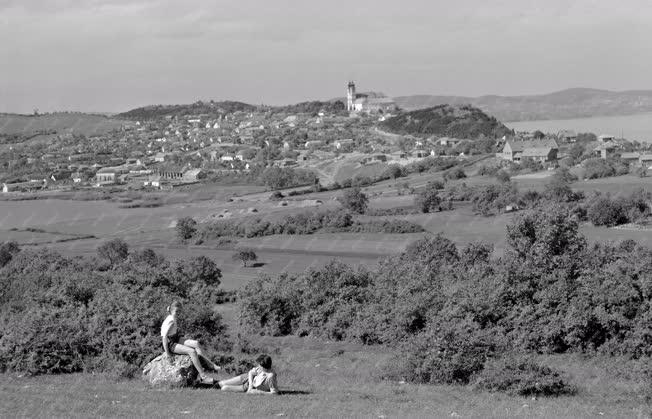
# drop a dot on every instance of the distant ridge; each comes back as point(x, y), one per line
point(565, 104)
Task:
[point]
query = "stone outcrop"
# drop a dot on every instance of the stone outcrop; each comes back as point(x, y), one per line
point(178, 373)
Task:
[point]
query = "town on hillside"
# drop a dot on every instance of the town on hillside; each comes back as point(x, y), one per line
point(325, 143)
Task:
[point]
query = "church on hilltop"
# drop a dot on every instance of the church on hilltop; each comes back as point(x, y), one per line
point(367, 102)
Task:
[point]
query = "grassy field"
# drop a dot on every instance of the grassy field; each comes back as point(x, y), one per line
point(324, 379)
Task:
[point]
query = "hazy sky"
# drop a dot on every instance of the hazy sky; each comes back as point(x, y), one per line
point(112, 55)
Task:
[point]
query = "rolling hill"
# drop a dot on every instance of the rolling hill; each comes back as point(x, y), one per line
point(570, 103)
point(197, 108)
point(446, 120)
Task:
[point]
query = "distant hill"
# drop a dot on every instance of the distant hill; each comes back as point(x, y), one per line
point(58, 123)
point(446, 120)
point(197, 108)
point(570, 103)
point(311, 107)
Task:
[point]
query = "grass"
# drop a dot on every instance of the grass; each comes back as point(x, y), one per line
point(321, 379)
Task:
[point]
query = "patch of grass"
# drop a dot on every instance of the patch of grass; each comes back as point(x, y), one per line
point(346, 385)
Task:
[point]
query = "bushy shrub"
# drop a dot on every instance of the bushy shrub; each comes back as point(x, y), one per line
point(518, 375)
point(354, 200)
point(7, 251)
point(114, 251)
point(428, 199)
point(450, 353)
point(454, 174)
point(502, 176)
point(603, 211)
point(186, 228)
point(245, 255)
point(598, 168)
point(61, 315)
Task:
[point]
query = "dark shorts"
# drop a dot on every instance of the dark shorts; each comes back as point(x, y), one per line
point(175, 340)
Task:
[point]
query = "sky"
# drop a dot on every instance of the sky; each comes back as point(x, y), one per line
point(114, 55)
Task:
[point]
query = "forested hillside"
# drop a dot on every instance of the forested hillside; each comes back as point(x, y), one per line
point(445, 120)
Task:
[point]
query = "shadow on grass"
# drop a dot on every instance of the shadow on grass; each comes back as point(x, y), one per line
point(294, 392)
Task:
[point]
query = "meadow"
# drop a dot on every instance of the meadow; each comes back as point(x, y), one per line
point(328, 379)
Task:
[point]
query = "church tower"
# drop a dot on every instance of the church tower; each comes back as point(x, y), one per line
point(350, 96)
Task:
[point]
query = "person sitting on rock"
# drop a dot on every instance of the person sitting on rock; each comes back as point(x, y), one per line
point(172, 344)
point(260, 380)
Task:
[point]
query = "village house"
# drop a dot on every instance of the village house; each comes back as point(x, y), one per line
point(346, 143)
point(645, 160)
point(227, 157)
point(539, 150)
point(193, 175)
point(285, 163)
point(420, 154)
point(449, 142)
point(567, 135)
point(632, 157)
point(606, 138)
point(313, 143)
point(605, 149)
point(376, 158)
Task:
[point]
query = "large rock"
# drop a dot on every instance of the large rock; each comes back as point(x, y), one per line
point(178, 373)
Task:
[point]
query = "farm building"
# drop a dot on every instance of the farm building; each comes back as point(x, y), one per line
point(23, 186)
point(106, 176)
point(538, 150)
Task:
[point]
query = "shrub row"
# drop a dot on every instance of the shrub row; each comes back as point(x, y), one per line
point(309, 222)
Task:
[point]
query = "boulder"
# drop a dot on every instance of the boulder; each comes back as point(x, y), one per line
point(178, 373)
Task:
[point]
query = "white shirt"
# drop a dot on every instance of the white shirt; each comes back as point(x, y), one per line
point(169, 326)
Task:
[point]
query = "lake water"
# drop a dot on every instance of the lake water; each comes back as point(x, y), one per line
point(633, 127)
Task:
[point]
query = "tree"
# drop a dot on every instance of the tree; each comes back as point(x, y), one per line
point(7, 252)
point(245, 255)
point(428, 199)
point(538, 135)
point(115, 251)
point(502, 176)
point(354, 200)
point(186, 228)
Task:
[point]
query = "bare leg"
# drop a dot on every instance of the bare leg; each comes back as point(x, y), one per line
point(197, 347)
point(235, 384)
point(186, 350)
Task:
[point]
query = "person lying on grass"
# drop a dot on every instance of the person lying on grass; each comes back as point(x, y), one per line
point(260, 380)
point(172, 344)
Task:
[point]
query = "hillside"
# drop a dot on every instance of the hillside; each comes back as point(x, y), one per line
point(570, 103)
point(57, 123)
point(197, 108)
point(446, 120)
